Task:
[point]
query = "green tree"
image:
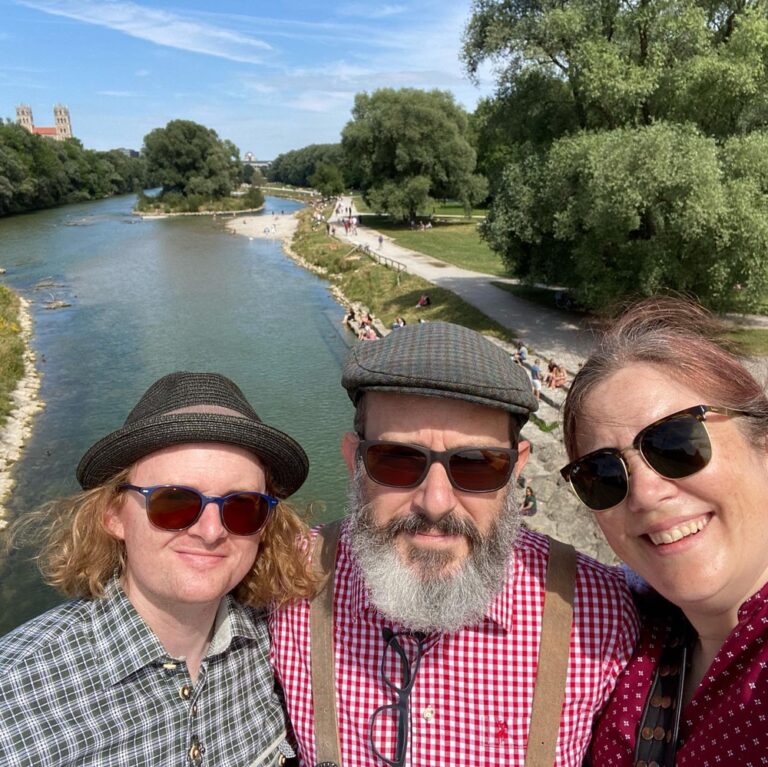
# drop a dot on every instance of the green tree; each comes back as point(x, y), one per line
point(190, 159)
point(327, 179)
point(297, 166)
point(408, 147)
point(629, 172)
point(36, 172)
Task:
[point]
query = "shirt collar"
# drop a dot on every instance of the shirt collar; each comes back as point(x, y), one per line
point(124, 643)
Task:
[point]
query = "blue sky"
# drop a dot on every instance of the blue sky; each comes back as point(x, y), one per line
point(268, 76)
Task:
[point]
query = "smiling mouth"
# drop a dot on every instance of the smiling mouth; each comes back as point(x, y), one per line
point(675, 534)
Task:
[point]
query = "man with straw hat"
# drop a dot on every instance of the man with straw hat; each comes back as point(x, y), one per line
point(158, 660)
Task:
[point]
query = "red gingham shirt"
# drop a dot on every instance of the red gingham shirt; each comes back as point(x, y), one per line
point(471, 701)
point(726, 722)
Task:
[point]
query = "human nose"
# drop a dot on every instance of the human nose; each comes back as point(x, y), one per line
point(647, 489)
point(436, 493)
point(209, 527)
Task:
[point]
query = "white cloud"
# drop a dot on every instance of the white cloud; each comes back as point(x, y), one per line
point(322, 101)
point(370, 12)
point(116, 94)
point(157, 26)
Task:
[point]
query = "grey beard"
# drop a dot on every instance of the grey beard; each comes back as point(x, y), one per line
point(419, 594)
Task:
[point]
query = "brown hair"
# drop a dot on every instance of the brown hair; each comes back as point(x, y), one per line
point(78, 555)
point(683, 337)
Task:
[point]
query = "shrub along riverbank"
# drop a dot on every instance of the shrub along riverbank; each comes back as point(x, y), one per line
point(11, 350)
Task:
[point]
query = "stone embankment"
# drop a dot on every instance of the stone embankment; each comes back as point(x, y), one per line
point(18, 428)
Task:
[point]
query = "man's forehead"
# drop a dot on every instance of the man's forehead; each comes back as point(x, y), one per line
point(404, 411)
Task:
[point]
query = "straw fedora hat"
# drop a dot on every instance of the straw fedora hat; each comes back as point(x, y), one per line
point(194, 407)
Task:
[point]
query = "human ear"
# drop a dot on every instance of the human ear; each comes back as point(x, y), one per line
point(349, 443)
point(523, 453)
point(113, 520)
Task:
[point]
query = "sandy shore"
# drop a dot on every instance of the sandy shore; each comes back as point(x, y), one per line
point(278, 226)
point(26, 404)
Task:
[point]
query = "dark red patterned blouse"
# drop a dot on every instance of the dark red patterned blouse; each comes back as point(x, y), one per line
point(727, 720)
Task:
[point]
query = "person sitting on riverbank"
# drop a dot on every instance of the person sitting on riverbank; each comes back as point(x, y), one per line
point(424, 300)
point(529, 506)
point(556, 375)
point(158, 660)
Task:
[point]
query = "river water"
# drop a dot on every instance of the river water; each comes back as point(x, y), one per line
point(150, 297)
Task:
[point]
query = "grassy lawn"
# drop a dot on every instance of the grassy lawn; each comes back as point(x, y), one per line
point(449, 208)
point(458, 244)
point(385, 292)
point(752, 342)
point(457, 209)
point(11, 350)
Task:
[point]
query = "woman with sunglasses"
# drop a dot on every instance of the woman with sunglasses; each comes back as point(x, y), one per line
point(179, 533)
point(668, 436)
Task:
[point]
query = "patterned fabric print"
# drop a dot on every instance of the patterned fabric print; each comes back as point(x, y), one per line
point(88, 683)
point(727, 720)
point(470, 705)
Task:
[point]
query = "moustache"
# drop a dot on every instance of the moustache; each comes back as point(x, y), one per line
point(415, 523)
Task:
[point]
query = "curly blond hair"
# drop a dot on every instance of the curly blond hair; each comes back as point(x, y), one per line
point(78, 555)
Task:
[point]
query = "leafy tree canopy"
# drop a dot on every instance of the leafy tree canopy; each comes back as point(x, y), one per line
point(36, 172)
point(624, 143)
point(297, 166)
point(327, 179)
point(407, 147)
point(190, 159)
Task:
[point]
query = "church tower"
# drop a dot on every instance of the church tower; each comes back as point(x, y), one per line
point(63, 125)
point(24, 117)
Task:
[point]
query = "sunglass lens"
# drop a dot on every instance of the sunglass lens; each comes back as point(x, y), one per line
point(481, 471)
point(678, 447)
point(245, 513)
point(395, 465)
point(173, 508)
point(600, 480)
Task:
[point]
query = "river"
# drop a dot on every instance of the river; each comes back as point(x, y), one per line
point(149, 297)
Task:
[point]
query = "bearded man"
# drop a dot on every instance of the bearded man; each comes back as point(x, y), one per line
point(437, 592)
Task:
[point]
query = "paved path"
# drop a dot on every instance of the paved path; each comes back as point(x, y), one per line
point(552, 334)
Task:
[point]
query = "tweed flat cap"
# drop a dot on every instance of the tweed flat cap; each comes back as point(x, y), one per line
point(188, 407)
point(439, 359)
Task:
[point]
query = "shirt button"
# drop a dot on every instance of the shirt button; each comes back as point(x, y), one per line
point(185, 692)
point(194, 709)
point(428, 713)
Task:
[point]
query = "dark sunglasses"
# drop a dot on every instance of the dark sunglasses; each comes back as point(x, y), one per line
point(176, 507)
point(675, 447)
point(471, 469)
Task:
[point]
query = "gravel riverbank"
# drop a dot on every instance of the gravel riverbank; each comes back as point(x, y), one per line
point(26, 403)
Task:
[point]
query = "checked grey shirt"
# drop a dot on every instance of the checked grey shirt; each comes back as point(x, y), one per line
point(88, 683)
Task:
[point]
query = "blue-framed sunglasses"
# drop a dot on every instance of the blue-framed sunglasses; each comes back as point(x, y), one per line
point(177, 507)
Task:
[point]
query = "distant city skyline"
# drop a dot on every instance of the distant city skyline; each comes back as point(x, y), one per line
point(271, 79)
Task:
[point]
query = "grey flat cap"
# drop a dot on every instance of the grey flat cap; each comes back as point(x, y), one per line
point(439, 359)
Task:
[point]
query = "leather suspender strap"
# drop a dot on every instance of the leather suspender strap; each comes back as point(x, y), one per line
point(327, 751)
point(554, 647)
